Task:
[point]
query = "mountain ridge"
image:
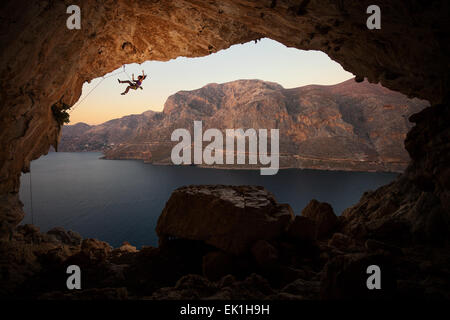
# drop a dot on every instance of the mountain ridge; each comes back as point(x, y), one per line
point(346, 126)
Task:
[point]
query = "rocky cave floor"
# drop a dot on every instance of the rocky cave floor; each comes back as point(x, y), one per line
point(310, 256)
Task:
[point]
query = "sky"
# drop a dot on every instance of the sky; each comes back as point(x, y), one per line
point(265, 60)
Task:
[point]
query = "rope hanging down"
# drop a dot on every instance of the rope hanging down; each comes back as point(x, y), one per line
point(103, 78)
point(31, 200)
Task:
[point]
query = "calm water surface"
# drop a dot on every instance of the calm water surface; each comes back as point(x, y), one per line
point(120, 200)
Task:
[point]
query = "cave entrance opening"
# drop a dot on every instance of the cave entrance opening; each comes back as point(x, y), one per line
point(108, 200)
point(266, 60)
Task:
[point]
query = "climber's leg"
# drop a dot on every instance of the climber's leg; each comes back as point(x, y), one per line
point(126, 90)
point(125, 81)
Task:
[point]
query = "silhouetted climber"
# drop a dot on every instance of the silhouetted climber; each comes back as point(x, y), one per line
point(137, 83)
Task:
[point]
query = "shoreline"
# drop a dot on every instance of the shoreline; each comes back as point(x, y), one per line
point(236, 167)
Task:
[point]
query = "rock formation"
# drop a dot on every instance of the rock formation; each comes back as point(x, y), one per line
point(323, 217)
point(348, 126)
point(42, 63)
point(240, 244)
point(229, 218)
point(418, 201)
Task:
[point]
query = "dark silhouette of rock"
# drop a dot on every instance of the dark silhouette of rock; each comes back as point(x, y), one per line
point(345, 277)
point(217, 264)
point(322, 214)
point(95, 249)
point(33, 264)
point(189, 287)
point(304, 290)
point(230, 218)
point(415, 207)
point(375, 245)
point(264, 253)
point(341, 241)
point(68, 237)
point(303, 229)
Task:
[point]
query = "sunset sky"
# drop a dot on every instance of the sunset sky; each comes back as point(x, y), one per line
point(266, 60)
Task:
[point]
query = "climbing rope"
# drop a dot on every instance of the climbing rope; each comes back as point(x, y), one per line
point(126, 73)
point(31, 200)
point(103, 78)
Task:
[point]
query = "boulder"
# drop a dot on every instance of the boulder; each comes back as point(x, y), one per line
point(375, 245)
point(322, 214)
point(231, 218)
point(124, 253)
point(303, 229)
point(127, 247)
point(341, 241)
point(75, 237)
point(95, 249)
point(216, 265)
point(28, 229)
point(307, 289)
point(67, 237)
point(188, 287)
point(226, 281)
point(345, 277)
point(252, 287)
point(264, 253)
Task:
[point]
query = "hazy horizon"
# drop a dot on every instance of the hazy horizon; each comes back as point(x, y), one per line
point(289, 67)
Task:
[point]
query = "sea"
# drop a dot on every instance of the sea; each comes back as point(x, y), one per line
point(121, 200)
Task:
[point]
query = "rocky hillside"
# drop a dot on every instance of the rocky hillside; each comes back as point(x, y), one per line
point(348, 126)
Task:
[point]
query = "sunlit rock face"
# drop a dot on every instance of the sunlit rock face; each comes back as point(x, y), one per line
point(348, 126)
point(42, 62)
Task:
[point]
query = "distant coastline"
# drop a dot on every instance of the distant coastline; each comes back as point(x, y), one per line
point(344, 127)
point(365, 166)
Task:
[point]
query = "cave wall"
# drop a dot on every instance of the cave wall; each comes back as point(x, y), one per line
point(42, 62)
point(414, 208)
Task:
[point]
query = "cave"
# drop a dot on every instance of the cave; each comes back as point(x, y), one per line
point(43, 63)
